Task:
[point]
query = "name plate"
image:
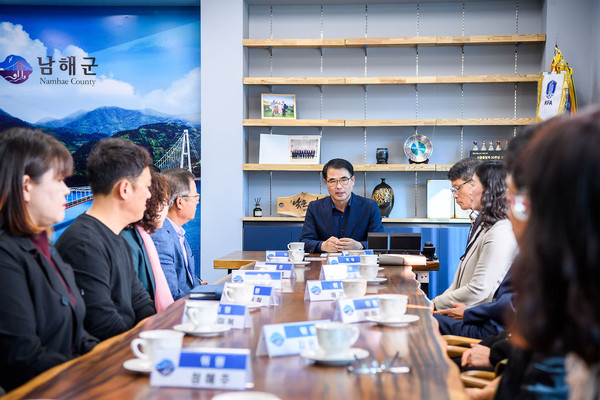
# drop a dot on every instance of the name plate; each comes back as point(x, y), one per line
point(276, 253)
point(262, 278)
point(339, 271)
point(344, 260)
point(323, 290)
point(265, 295)
point(209, 368)
point(287, 269)
point(357, 309)
point(288, 339)
point(366, 251)
point(234, 315)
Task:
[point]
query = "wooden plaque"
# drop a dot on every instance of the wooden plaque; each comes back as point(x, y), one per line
point(297, 204)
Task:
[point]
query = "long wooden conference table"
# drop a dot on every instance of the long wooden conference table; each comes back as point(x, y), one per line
point(100, 374)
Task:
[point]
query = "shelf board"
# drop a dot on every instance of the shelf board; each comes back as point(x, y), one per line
point(392, 80)
point(293, 122)
point(357, 167)
point(397, 41)
point(384, 220)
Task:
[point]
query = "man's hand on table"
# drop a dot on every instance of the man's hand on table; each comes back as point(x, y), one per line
point(334, 245)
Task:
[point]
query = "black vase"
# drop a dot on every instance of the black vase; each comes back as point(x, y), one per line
point(384, 196)
point(382, 155)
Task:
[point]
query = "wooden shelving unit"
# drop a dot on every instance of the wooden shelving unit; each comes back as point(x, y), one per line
point(357, 167)
point(481, 40)
point(392, 122)
point(393, 80)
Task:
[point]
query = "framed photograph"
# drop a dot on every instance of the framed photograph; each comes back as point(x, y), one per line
point(304, 149)
point(278, 106)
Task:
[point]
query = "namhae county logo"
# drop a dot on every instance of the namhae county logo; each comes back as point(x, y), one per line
point(15, 69)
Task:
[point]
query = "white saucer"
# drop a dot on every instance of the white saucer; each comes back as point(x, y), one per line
point(345, 358)
point(138, 365)
point(396, 322)
point(302, 263)
point(246, 396)
point(376, 281)
point(205, 331)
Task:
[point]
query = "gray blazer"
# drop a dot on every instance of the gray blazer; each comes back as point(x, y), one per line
point(484, 266)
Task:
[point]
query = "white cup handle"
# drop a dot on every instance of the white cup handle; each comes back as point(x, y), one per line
point(135, 347)
point(355, 334)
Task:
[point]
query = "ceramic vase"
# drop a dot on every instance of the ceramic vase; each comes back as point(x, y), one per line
point(384, 196)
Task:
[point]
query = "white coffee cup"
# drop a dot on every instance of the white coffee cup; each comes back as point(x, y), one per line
point(202, 313)
point(368, 271)
point(239, 293)
point(354, 287)
point(335, 337)
point(296, 256)
point(392, 305)
point(296, 246)
point(368, 259)
point(146, 345)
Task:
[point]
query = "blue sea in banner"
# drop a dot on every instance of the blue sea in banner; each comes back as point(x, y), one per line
point(192, 228)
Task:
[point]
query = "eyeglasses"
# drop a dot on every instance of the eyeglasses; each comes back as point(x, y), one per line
point(519, 206)
point(194, 196)
point(334, 182)
point(455, 189)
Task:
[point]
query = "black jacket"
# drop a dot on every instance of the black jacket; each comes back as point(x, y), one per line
point(40, 326)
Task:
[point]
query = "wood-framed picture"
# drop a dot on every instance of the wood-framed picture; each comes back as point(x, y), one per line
point(278, 106)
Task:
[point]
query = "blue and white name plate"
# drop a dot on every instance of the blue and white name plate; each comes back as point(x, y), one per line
point(356, 309)
point(366, 251)
point(265, 296)
point(210, 368)
point(288, 339)
point(262, 278)
point(287, 269)
point(323, 290)
point(344, 260)
point(334, 272)
point(276, 253)
point(234, 315)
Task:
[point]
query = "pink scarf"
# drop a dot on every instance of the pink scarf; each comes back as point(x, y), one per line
point(162, 294)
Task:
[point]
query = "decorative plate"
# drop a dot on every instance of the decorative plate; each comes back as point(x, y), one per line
point(418, 148)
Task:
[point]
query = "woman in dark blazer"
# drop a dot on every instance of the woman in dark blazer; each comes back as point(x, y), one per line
point(41, 318)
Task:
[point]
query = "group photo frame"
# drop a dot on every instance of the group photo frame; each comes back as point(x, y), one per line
point(278, 106)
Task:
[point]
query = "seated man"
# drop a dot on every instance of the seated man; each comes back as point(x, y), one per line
point(343, 220)
point(174, 251)
point(119, 175)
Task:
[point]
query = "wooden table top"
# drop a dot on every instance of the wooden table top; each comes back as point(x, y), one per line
point(100, 374)
point(240, 259)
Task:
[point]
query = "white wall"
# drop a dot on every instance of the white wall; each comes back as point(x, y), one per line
point(222, 30)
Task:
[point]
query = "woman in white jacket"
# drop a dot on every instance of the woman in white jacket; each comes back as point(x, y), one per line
point(491, 247)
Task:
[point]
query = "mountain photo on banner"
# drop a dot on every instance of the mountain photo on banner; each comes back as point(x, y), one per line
point(84, 74)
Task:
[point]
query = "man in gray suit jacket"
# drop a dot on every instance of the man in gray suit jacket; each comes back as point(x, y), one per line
point(174, 251)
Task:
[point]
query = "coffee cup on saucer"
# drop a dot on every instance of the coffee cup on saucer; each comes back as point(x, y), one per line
point(368, 271)
point(239, 293)
point(202, 313)
point(296, 246)
point(296, 256)
point(149, 342)
point(392, 305)
point(336, 337)
point(354, 287)
point(368, 259)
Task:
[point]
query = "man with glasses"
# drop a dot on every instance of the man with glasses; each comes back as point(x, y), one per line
point(461, 178)
point(174, 251)
point(343, 220)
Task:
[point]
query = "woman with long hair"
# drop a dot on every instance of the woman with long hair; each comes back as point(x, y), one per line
point(145, 256)
point(41, 318)
point(491, 247)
